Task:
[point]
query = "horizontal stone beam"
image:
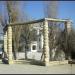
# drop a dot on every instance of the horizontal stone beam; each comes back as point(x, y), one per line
point(57, 20)
point(40, 20)
point(24, 23)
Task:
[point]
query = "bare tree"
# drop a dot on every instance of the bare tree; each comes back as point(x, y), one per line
point(51, 9)
point(70, 44)
point(14, 14)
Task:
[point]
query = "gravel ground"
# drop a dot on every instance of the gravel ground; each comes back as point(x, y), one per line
point(35, 69)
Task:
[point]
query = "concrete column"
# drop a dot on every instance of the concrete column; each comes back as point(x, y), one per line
point(5, 42)
point(46, 43)
point(68, 26)
point(10, 61)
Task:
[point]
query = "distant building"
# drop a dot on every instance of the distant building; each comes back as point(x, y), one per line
point(37, 46)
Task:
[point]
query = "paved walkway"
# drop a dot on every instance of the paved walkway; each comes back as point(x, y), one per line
point(35, 69)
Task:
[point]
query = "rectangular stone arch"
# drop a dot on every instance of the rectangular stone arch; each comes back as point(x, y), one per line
point(8, 37)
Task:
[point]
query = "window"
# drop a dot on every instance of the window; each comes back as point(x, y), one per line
point(34, 47)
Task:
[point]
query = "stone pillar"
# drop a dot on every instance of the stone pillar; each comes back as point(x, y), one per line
point(5, 42)
point(10, 61)
point(68, 26)
point(46, 43)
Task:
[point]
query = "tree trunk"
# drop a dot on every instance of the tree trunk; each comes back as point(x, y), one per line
point(15, 52)
point(26, 52)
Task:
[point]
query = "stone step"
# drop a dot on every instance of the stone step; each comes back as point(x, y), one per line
point(21, 61)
